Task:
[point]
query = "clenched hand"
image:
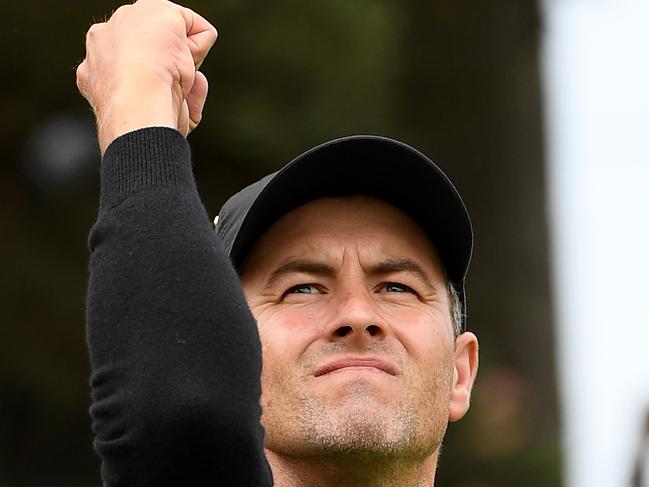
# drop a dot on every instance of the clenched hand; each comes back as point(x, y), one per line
point(141, 69)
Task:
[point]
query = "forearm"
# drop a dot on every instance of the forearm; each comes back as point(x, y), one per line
point(174, 349)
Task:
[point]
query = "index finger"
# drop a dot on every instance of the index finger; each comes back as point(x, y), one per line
point(201, 35)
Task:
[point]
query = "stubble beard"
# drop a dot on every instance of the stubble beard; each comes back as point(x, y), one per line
point(359, 427)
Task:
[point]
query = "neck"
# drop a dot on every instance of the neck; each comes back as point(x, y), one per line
point(351, 471)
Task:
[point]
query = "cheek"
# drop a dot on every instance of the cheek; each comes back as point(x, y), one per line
point(414, 324)
point(284, 338)
point(285, 334)
point(423, 333)
point(288, 323)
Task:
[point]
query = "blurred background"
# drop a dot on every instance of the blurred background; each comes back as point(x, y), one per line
point(537, 111)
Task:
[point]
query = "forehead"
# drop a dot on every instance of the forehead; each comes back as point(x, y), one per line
point(329, 226)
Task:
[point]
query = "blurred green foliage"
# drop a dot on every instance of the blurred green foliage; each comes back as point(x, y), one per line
point(459, 80)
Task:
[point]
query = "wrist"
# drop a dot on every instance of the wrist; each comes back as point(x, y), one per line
point(131, 110)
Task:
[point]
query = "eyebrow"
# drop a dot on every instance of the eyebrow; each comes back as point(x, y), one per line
point(299, 266)
point(390, 266)
point(393, 266)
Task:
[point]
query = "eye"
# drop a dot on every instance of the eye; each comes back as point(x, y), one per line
point(395, 287)
point(302, 289)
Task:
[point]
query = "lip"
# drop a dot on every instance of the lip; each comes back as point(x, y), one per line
point(357, 363)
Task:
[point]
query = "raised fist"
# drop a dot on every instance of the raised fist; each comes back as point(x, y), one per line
point(141, 69)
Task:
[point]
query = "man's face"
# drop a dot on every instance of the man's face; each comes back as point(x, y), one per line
point(357, 341)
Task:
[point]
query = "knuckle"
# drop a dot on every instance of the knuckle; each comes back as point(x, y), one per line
point(81, 75)
point(82, 84)
point(93, 32)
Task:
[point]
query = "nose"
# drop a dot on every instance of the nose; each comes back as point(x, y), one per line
point(357, 319)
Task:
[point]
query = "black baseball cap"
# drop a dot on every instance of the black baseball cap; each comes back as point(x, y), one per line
point(357, 165)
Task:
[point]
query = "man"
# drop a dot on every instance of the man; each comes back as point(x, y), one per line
point(351, 262)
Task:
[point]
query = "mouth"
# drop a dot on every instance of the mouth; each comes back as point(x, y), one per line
point(371, 364)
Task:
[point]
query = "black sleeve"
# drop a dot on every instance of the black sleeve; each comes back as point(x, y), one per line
point(174, 348)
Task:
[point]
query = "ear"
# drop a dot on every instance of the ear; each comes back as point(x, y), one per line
point(465, 370)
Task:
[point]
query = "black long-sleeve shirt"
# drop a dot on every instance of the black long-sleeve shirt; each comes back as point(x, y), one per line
point(174, 348)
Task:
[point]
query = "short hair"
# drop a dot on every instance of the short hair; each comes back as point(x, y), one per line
point(455, 308)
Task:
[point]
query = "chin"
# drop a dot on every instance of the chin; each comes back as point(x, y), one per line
point(360, 417)
point(363, 425)
point(368, 391)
